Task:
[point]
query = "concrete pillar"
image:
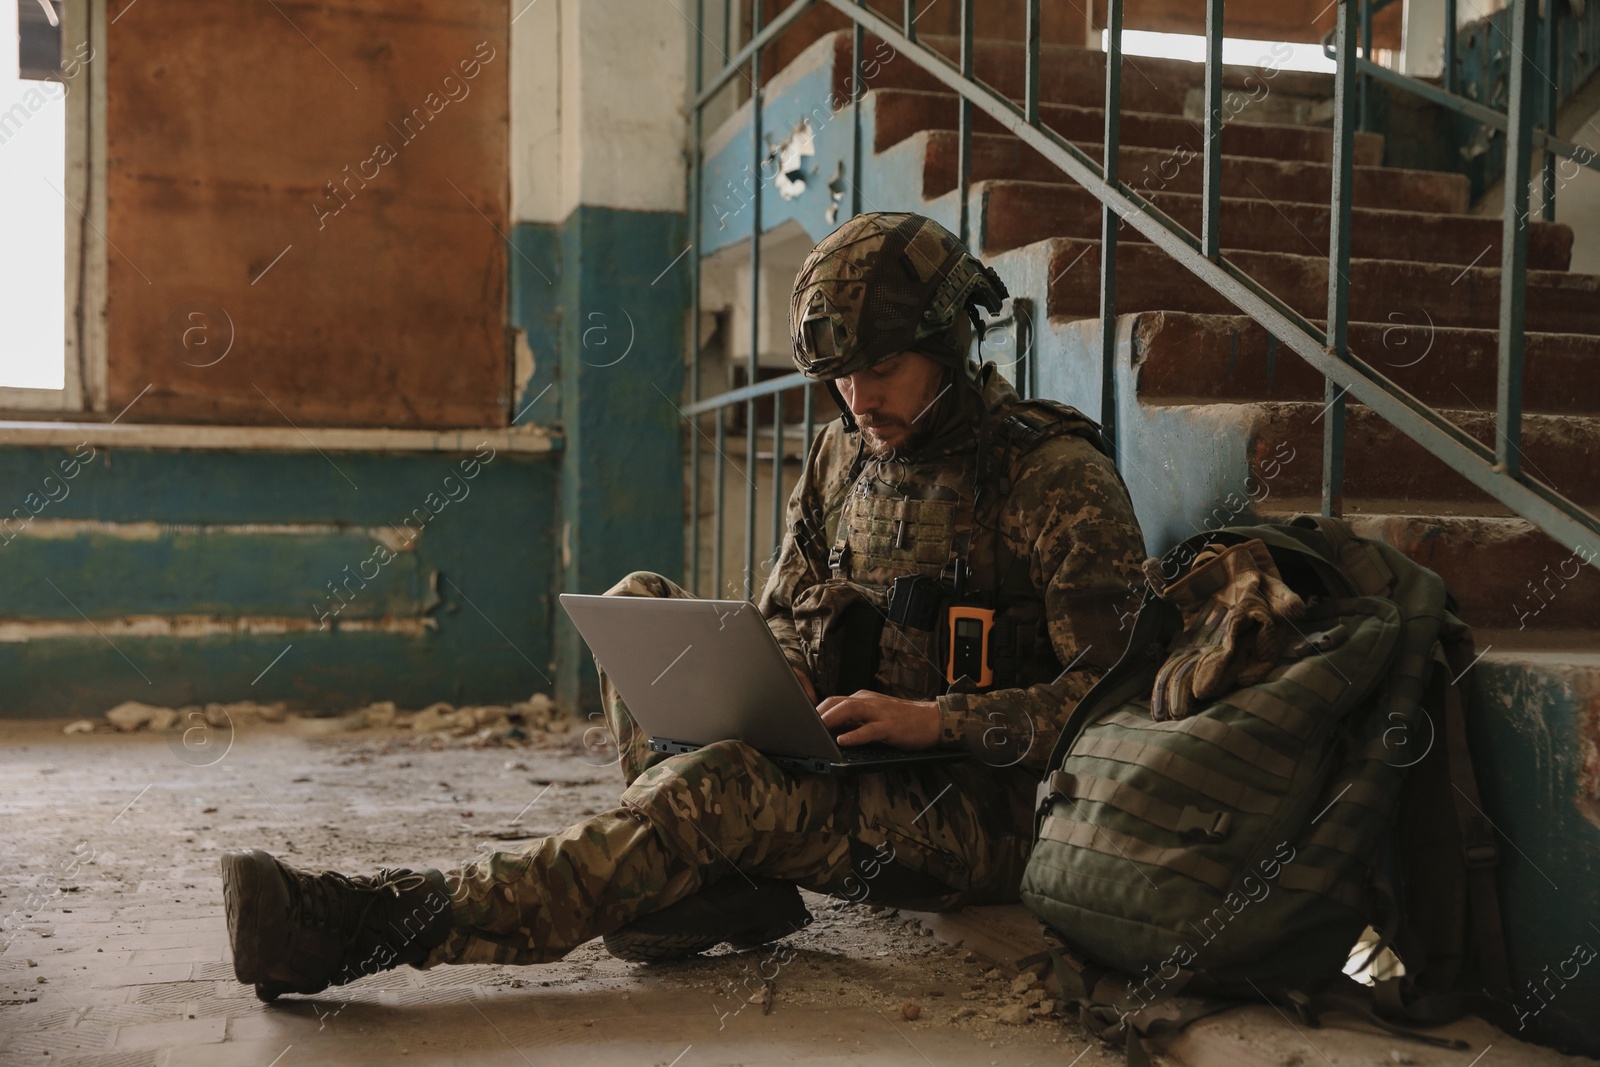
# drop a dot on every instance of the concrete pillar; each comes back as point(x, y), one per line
point(600, 292)
point(1422, 38)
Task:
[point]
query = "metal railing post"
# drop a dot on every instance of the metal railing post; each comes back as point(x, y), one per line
point(1344, 106)
point(1211, 210)
point(910, 20)
point(857, 91)
point(1451, 80)
point(757, 155)
point(695, 163)
point(719, 507)
point(778, 498)
point(1514, 243)
point(1366, 53)
point(1030, 100)
point(964, 126)
point(1550, 62)
point(1109, 220)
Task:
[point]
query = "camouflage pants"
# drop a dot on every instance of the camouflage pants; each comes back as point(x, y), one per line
point(933, 837)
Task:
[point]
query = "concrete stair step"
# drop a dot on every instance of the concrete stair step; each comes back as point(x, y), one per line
point(1147, 280)
point(1016, 213)
point(1070, 74)
point(1152, 170)
point(903, 112)
point(1285, 445)
point(1185, 359)
point(1506, 573)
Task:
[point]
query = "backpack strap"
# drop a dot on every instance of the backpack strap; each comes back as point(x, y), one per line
point(1146, 648)
point(1357, 556)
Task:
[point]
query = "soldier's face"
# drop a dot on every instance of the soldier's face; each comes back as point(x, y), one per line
point(893, 401)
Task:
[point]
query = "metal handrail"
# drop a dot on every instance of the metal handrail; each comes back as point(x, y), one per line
point(746, 392)
point(1583, 155)
point(1496, 471)
point(1543, 139)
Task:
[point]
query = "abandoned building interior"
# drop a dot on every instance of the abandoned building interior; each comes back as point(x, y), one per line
point(339, 339)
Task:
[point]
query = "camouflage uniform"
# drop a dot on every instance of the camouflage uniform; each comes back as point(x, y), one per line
point(1019, 496)
point(930, 837)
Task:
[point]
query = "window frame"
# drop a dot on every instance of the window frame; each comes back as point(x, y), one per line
point(84, 351)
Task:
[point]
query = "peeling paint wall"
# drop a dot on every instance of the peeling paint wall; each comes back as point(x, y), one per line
point(180, 577)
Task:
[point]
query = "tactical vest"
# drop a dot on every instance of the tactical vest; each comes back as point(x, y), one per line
point(939, 518)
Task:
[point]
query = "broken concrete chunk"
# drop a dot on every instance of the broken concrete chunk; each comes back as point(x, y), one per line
point(1015, 1014)
point(434, 717)
point(82, 726)
point(380, 715)
point(492, 713)
point(131, 715)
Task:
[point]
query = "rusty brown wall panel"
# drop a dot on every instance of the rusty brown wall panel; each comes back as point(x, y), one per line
point(224, 123)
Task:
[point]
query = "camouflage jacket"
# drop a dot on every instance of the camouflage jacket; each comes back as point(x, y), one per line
point(1049, 528)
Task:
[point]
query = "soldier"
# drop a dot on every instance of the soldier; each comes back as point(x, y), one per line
point(947, 579)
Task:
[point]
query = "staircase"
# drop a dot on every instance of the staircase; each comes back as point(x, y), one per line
point(1215, 429)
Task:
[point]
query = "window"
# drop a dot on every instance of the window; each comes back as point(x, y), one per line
point(40, 192)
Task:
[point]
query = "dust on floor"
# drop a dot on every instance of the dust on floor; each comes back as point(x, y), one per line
point(115, 951)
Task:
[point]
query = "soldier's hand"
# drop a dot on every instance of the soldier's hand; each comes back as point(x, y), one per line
point(805, 682)
point(865, 716)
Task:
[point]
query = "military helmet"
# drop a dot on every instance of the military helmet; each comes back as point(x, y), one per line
point(882, 284)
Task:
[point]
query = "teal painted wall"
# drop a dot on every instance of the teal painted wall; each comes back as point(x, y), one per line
point(244, 547)
point(240, 536)
point(615, 339)
point(1532, 717)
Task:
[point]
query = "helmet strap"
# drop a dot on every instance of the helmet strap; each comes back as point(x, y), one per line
point(845, 417)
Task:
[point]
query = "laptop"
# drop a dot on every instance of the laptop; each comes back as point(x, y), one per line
point(694, 672)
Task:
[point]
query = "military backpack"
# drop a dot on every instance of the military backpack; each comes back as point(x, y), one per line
point(1242, 850)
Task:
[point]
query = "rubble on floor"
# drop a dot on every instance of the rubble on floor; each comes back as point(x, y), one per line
point(524, 722)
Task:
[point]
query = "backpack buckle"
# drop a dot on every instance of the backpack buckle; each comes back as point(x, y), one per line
point(1197, 825)
point(1055, 784)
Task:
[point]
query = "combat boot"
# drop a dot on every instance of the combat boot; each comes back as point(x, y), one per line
point(745, 912)
point(293, 931)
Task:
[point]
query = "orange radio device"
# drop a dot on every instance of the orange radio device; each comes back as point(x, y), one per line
point(970, 628)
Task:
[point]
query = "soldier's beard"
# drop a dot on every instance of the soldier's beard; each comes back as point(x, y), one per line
point(886, 435)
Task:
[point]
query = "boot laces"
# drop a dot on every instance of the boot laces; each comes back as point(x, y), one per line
point(340, 903)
